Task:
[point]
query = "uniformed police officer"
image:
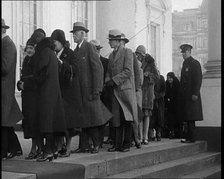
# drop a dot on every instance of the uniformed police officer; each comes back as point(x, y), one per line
point(190, 98)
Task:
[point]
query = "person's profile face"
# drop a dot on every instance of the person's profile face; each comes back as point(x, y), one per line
point(77, 36)
point(57, 45)
point(30, 50)
point(139, 57)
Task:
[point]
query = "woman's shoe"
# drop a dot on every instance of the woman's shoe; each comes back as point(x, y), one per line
point(45, 157)
point(11, 155)
point(55, 154)
point(66, 154)
point(145, 142)
point(138, 145)
point(95, 150)
point(31, 156)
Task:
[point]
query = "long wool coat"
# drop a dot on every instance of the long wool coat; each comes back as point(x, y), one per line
point(120, 70)
point(10, 113)
point(29, 99)
point(70, 88)
point(50, 103)
point(148, 84)
point(94, 112)
point(190, 84)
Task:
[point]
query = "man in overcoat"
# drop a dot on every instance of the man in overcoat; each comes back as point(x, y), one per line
point(190, 98)
point(95, 114)
point(120, 77)
point(10, 113)
point(137, 79)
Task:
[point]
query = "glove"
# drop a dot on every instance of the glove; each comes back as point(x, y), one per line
point(94, 96)
point(110, 83)
point(194, 98)
point(20, 85)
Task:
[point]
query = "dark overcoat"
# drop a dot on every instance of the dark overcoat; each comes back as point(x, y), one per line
point(107, 92)
point(157, 119)
point(10, 113)
point(70, 87)
point(190, 84)
point(91, 81)
point(50, 103)
point(120, 70)
point(29, 99)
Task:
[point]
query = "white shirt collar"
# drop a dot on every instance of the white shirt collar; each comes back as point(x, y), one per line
point(81, 43)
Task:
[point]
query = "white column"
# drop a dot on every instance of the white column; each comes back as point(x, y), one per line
point(211, 85)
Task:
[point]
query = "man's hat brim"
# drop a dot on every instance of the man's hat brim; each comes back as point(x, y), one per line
point(125, 40)
point(5, 26)
point(77, 28)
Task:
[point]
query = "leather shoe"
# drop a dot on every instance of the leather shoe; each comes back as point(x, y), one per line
point(124, 149)
point(138, 145)
point(79, 150)
point(113, 149)
point(95, 150)
point(187, 141)
point(11, 155)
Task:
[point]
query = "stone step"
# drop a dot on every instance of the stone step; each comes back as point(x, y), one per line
point(107, 163)
point(173, 169)
point(13, 175)
point(211, 172)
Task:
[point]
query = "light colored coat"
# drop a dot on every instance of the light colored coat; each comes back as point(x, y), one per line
point(10, 113)
point(120, 70)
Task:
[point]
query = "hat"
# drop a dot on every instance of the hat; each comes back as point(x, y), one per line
point(4, 25)
point(114, 34)
point(96, 43)
point(124, 38)
point(30, 41)
point(59, 35)
point(171, 74)
point(37, 36)
point(185, 47)
point(79, 26)
point(141, 49)
point(40, 30)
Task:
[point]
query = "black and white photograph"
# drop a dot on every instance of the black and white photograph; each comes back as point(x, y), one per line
point(111, 89)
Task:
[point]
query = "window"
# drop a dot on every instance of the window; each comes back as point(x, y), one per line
point(28, 25)
point(153, 41)
point(80, 11)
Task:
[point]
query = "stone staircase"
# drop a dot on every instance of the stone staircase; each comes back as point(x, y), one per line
point(163, 159)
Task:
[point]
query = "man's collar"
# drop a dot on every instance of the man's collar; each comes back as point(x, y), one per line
point(4, 35)
point(81, 43)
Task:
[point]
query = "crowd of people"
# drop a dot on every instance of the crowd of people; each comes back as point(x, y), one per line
point(68, 92)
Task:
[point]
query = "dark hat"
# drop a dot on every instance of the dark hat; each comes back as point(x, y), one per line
point(30, 41)
point(4, 25)
point(79, 26)
point(185, 47)
point(40, 30)
point(37, 36)
point(141, 49)
point(96, 43)
point(124, 38)
point(114, 34)
point(171, 74)
point(59, 35)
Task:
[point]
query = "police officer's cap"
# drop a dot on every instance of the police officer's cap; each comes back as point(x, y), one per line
point(185, 47)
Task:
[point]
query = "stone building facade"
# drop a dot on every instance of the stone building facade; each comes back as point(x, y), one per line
point(190, 26)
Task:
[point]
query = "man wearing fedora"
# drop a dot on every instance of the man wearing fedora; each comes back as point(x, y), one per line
point(10, 113)
point(190, 98)
point(137, 78)
point(120, 77)
point(94, 113)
